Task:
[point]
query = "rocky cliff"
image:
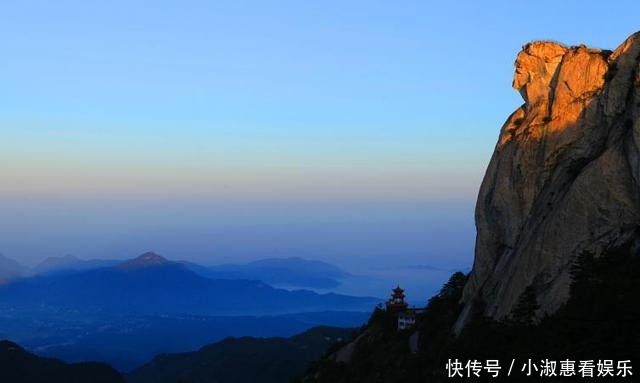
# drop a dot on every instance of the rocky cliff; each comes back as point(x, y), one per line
point(558, 218)
point(564, 177)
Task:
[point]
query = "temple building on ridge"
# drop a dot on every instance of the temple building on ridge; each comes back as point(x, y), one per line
point(406, 320)
point(396, 305)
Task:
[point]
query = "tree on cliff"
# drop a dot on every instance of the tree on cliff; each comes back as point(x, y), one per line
point(524, 312)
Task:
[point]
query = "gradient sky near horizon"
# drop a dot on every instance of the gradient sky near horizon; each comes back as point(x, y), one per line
point(350, 131)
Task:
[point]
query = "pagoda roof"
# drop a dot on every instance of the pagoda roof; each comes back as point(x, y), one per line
point(398, 290)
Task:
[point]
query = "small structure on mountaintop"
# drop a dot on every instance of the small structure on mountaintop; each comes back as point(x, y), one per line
point(396, 303)
point(404, 315)
point(406, 319)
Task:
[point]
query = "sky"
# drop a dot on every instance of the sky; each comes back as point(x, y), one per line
point(355, 132)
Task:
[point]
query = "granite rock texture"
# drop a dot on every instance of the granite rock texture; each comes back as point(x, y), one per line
point(564, 176)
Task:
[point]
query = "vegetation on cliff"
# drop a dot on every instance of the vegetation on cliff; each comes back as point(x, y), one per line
point(601, 320)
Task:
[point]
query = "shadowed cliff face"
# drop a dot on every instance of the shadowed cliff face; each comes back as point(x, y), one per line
point(564, 177)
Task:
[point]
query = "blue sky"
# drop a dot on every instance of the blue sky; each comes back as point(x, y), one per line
point(350, 131)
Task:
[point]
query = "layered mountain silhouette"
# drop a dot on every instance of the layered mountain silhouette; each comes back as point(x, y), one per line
point(152, 284)
point(68, 264)
point(11, 269)
point(20, 366)
point(243, 360)
point(128, 341)
point(293, 272)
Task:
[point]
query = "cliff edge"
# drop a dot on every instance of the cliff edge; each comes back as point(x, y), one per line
point(564, 176)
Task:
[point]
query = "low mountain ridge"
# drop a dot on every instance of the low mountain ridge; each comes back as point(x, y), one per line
point(20, 366)
point(69, 264)
point(290, 272)
point(240, 360)
point(128, 341)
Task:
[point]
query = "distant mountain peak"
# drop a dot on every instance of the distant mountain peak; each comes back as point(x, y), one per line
point(11, 269)
point(148, 259)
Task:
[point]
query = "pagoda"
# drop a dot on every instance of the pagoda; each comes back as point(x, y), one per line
point(396, 303)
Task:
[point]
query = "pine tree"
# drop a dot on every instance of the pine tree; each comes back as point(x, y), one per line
point(454, 285)
point(524, 312)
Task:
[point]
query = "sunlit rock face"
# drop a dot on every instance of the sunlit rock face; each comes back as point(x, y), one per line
point(564, 177)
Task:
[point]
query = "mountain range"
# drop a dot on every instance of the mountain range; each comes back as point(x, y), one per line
point(289, 272)
point(555, 274)
point(150, 284)
point(232, 360)
point(128, 341)
point(120, 311)
point(293, 272)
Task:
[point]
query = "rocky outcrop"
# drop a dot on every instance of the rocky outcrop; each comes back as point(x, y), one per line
point(564, 177)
